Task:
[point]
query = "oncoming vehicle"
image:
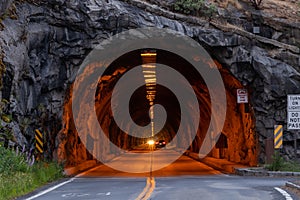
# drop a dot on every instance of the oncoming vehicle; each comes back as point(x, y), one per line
point(160, 143)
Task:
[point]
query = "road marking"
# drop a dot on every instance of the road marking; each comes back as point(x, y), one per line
point(103, 194)
point(61, 184)
point(284, 193)
point(50, 189)
point(149, 188)
point(71, 195)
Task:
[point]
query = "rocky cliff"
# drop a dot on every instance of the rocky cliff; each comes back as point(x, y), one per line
point(43, 46)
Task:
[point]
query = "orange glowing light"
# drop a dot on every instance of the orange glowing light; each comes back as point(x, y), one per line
point(151, 142)
point(148, 54)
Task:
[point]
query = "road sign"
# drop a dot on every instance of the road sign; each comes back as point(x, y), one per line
point(242, 96)
point(278, 134)
point(293, 110)
point(39, 143)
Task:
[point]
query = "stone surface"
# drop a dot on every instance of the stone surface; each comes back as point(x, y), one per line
point(44, 47)
point(5, 4)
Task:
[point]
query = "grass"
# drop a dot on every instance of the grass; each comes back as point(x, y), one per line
point(18, 178)
point(279, 164)
point(291, 166)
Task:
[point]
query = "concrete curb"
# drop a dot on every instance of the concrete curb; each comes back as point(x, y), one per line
point(292, 185)
point(222, 165)
point(238, 169)
point(261, 172)
point(80, 168)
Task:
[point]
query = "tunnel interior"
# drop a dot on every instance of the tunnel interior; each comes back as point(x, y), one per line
point(237, 142)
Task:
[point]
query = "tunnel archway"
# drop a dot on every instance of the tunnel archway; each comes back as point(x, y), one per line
point(238, 130)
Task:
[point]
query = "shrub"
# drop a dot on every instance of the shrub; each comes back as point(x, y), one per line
point(10, 162)
point(194, 7)
point(278, 162)
point(188, 6)
point(19, 178)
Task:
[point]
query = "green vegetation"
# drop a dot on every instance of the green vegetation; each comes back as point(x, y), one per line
point(194, 7)
point(18, 177)
point(279, 164)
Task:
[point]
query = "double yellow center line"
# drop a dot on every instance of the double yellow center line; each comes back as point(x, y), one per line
point(147, 192)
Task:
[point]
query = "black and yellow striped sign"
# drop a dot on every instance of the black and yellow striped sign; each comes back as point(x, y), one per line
point(39, 142)
point(278, 134)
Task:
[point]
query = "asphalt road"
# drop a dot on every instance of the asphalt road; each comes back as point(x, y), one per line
point(184, 179)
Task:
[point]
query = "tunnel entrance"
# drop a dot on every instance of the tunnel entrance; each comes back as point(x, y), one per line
point(237, 142)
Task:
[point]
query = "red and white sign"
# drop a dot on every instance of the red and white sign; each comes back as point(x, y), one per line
point(242, 96)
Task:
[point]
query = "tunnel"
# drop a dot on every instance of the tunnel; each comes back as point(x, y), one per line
point(237, 142)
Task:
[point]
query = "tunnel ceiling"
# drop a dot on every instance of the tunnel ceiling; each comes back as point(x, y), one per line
point(139, 105)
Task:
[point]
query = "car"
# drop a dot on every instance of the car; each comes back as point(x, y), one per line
point(160, 143)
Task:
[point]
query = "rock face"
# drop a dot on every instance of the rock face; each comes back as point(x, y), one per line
point(44, 47)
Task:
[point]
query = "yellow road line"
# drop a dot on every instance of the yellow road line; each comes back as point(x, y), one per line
point(149, 188)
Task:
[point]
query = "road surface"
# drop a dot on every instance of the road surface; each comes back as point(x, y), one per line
point(184, 179)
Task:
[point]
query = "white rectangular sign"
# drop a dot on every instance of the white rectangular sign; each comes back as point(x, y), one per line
point(293, 108)
point(242, 95)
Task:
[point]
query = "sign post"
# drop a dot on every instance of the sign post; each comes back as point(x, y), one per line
point(293, 110)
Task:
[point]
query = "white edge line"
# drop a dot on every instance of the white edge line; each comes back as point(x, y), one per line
point(50, 189)
point(61, 184)
point(284, 193)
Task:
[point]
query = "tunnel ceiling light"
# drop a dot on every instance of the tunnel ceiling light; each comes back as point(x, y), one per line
point(150, 84)
point(148, 66)
point(149, 60)
point(151, 88)
point(149, 72)
point(152, 80)
point(150, 96)
point(151, 92)
point(150, 76)
point(148, 54)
